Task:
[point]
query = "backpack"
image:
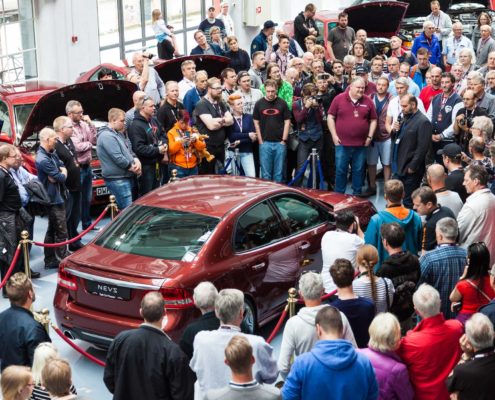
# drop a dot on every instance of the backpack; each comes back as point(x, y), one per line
point(39, 200)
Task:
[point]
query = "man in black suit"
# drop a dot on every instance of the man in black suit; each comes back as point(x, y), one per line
point(411, 144)
point(144, 363)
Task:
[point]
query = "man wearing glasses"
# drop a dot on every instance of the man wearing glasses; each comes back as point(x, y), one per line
point(429, 41)
point(84, 138)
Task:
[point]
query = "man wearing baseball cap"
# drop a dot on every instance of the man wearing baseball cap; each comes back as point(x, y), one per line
point(263, 41)
point(452, 160)
point(369, 87)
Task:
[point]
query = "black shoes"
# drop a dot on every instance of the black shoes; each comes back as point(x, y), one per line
point(51, 266)
point(76, 246)
point(368, 192)
point(95, 228)
point(35, 275)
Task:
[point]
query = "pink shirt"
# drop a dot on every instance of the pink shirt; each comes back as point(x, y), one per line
point(84, 138)
point(352, 120)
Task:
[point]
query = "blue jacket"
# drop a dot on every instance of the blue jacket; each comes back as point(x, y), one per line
point(259, 43)
point(216, 49)
point(433, 47)
point(19, 336)
point(48, 165)
point(190, 100)
point(408, 219)
point(332, 370)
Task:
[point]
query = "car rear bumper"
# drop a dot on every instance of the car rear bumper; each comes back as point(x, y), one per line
point(100, 328)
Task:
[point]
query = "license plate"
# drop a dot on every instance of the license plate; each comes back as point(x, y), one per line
point(102, 191)
point(109, 291)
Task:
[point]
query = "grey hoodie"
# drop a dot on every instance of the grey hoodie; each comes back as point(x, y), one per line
point(300, 336)
point(115, 154)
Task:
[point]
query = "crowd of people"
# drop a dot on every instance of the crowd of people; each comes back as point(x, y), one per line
point(412, 307)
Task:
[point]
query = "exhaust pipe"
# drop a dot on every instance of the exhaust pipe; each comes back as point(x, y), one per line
point(69, 334)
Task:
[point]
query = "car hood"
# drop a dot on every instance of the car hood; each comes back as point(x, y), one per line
point(421, 8)
point(377, 18)
point(111, 261)
point(96, 98)
point(170, 70)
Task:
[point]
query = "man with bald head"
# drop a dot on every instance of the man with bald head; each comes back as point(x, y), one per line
point(486, 45)
point(397, 51)
point(137, 97)
point(430, 91)
point(435, 175)
point(454, 44)
point(168, 111)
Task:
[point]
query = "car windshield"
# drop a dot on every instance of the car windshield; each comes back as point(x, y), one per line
point(159, 233)
point(21, 113)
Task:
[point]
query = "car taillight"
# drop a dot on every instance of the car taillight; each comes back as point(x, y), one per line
point(177, 298)
point(66, 280)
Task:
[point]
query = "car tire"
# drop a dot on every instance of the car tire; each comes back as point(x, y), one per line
point(249, 321)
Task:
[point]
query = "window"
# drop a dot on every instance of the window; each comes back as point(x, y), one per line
point(299, 214)
point(159, 233)
point(259, 226)
point(4, 119)
point(125, 25)
point(17, 41)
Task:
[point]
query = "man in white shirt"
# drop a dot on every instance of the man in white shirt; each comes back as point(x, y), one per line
point(344, 242)
point(441, 22)
point(454, 44)
point(226, 18)
point(188, 69)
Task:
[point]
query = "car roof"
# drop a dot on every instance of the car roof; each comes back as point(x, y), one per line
point(28, 92)
point(212, 195)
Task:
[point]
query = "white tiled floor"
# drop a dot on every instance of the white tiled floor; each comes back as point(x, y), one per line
point(87, 376)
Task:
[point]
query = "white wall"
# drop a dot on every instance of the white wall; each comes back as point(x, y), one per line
point(56, 21)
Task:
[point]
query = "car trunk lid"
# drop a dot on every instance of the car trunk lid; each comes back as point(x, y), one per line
point(377, 18)
point(96, 98)
point(170, 70)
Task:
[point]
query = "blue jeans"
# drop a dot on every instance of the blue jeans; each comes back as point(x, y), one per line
point(86, 195)
point(181, 171)
point(148, 179)
point(272, 160)
point(73, 213)
point(122, 190)
point(356, 155)
point(246, 162)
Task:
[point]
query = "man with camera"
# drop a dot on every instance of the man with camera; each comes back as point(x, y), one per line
point(146, 78)
point(308, 113)
point(442, 112)
point(464, 119)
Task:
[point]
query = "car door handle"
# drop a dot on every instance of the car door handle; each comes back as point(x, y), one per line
point(258, 266)
point(304, 246)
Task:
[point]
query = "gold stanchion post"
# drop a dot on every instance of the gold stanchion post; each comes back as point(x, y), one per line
point(292, 301)
point(114, 209)
point(25, 252)
point(173, 178)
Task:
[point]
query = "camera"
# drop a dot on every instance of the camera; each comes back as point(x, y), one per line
point(456, 307)
point(324, 76)
point(318, 99)
point(149, 56)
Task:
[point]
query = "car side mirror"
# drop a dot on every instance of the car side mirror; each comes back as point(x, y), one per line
point(5, 138)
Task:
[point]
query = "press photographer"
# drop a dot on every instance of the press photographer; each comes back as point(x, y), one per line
point(464, 119)
point(308, 114)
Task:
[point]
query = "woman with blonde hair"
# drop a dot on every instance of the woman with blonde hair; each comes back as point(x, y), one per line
point(17, 383)
point(391, 373)
point(44, 353)
point(379, 290)
point(167, 46)
point(216, 38)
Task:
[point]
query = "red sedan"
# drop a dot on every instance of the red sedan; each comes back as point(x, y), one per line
point(238, 232)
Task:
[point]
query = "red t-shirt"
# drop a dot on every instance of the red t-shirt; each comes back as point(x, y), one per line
point(352, 120)
point(427, 95)
point(472, 299)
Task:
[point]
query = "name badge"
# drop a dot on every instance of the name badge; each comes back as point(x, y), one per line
point(397, 141)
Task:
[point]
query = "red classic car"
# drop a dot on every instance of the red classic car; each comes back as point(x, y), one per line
point(25, 110)
point(239, 232)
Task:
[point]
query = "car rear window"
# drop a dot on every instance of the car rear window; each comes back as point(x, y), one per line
point(158, 233)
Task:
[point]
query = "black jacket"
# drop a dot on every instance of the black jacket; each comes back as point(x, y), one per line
point(415, 142)
point(207, 322)
point(144, 363)
point(301, 28)
point(145, 137)
point(19, 336)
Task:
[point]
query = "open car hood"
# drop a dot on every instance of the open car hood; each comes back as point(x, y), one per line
point(170, 70)
point(421, 8)
point(377, 18)
point(96, 98)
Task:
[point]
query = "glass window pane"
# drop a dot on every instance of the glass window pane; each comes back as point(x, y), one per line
point(30, 65)
point(299, 214)
point(193, 13)
point(151, 47)
point(108, 22)
point(25, 9)
point(174, 14)
point(132, 19)
point(191, 43)
point(5, 119)
point(149, 6)
point(110, 55)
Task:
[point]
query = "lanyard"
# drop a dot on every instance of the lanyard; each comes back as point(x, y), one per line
point(67, 147)
point(239, 122)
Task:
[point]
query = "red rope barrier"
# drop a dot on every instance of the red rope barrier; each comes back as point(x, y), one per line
point(74, 239)
point(12, 265)
point(278, 326)
point(77, 348)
